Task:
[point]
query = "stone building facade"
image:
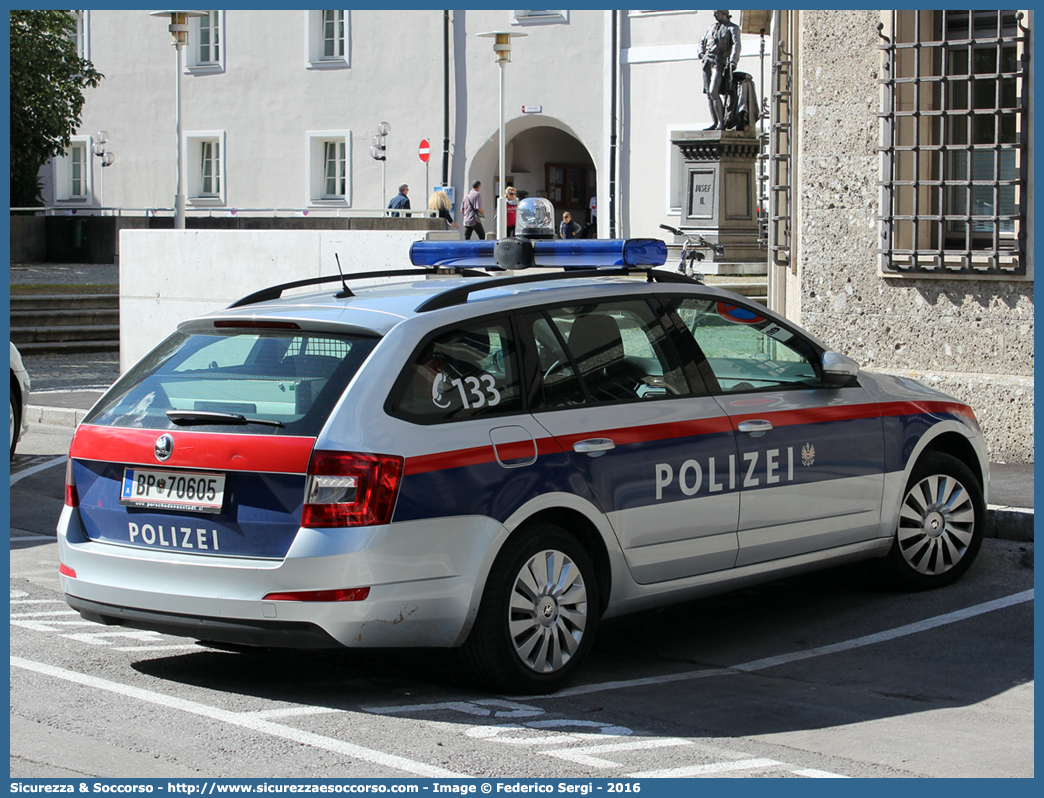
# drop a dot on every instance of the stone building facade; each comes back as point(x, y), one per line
point(968, 335)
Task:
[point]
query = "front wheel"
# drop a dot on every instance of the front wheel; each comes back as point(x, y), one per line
point(941, 523)
point(538, 613)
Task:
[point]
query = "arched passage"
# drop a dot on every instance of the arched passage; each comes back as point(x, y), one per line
point(544, 159)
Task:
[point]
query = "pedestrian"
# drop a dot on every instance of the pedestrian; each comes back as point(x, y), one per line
point(568, 228)
point(440, 202)
point(471, 208)
point(591, 228)
point(512, 208)
point(400, 200)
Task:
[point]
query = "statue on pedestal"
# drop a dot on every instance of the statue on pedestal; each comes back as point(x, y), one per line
point(730, 94)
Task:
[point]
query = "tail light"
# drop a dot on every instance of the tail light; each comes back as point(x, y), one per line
point(344, 594)
point(72, 499)
point(349, 489)
point(65, 570)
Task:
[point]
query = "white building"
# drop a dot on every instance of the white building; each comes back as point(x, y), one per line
point(276, 102)
point(898, 204)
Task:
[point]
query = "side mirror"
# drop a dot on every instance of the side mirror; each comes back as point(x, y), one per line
point(838, 370)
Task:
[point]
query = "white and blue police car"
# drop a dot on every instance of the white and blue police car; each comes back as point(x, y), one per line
point(497, 463)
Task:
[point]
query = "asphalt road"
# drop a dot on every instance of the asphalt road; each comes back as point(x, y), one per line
point(823, 675)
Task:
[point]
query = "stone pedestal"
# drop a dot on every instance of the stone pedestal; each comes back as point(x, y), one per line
point(719, 199)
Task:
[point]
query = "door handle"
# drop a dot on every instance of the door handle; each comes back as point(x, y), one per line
point(594, 447)
point(755, 427)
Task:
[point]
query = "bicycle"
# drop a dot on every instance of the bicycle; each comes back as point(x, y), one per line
point(691, 251)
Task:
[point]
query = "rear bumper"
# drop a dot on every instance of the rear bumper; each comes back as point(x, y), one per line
point(423, 578)
point(275, 634)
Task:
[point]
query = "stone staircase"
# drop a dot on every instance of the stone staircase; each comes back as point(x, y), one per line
point(65, 322)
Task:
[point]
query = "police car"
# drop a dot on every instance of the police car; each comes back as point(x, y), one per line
point(497, 463)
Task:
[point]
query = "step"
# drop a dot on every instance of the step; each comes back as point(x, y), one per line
point(89, 332)
point(63, 301)
point(65, 347)
point(56, 318)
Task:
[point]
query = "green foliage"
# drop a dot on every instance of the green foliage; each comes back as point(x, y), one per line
point(47, 83)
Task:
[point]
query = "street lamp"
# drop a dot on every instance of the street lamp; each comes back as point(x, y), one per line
point(107, 158)
point(379, 152)
point(179, 38)
point(502, 50)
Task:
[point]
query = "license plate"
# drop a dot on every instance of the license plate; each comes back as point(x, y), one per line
point(195, 491)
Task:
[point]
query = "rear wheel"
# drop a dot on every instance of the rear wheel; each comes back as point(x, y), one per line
point(538, 613)
point(941, 524)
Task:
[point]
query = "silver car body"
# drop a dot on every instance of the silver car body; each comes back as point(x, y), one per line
point(684, 506)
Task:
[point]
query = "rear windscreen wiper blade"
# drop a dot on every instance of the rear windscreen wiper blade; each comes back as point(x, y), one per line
point(185, 418)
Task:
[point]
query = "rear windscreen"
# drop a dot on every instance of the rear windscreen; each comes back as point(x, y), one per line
point(253, 381)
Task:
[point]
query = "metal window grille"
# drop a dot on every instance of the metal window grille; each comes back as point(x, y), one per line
point(335, 169)
point(955, 138)
point(781, 146)
point(333, 34)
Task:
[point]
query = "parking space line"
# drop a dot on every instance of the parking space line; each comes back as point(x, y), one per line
point(38, 468)
point(812, 773)
point(890, 634)
point(769, 662)
point(583, 756)
point(241, 720)
point(705, 770)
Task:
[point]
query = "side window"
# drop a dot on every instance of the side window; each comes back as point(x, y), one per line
point(463, 373)
point(619, 351)
point(745, 350)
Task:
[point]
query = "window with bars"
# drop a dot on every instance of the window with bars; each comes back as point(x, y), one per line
point(955, 139)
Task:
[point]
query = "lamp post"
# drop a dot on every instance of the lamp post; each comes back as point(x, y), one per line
point(502, 50)
point(379, 152)
point(107, 158)
point(179, 29)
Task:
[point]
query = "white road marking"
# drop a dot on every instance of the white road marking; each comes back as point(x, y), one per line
point(30, 537)
point(293, 712)
point(812, 773)
point(241, 720)
point(705, 770)
point(43, 614)
point(890, 634)
point(49, 626)
point(672, 677)
point(582, 756)
point(38, 601)
point(38, 468)
point(155, 648)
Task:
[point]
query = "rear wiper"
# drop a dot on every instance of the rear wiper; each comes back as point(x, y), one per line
point(185, 418)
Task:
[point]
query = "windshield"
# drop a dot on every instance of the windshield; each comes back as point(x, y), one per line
point(271, 382)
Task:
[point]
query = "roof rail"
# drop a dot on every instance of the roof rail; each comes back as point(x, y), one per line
point(459, 295)
point(276, 291)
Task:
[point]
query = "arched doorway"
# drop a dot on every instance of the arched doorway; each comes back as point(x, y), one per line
point(543, 160)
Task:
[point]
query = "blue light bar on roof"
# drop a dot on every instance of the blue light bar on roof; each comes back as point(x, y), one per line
point(574, 254)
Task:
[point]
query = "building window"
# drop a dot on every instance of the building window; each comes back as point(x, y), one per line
point(206, 50)
point(72, 172)
point(538, 17)
point(955, 144)
point(79, 34)
point(329, 156)
point(334, 169)
point(328, 39)
point(205, 155)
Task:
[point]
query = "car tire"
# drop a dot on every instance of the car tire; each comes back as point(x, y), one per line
point(537, 618)
point(16, 420)
point(941, 523)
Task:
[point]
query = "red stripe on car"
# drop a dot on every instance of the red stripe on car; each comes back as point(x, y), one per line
point(211, 450)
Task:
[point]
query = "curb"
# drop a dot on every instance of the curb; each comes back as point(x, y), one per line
point(1006, 523)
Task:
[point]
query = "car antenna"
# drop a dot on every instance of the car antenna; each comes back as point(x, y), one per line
point(346, 291)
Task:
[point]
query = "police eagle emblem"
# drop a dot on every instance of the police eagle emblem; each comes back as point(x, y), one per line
point(808, 454)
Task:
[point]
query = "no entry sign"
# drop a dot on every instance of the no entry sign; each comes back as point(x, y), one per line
point(424, 151)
